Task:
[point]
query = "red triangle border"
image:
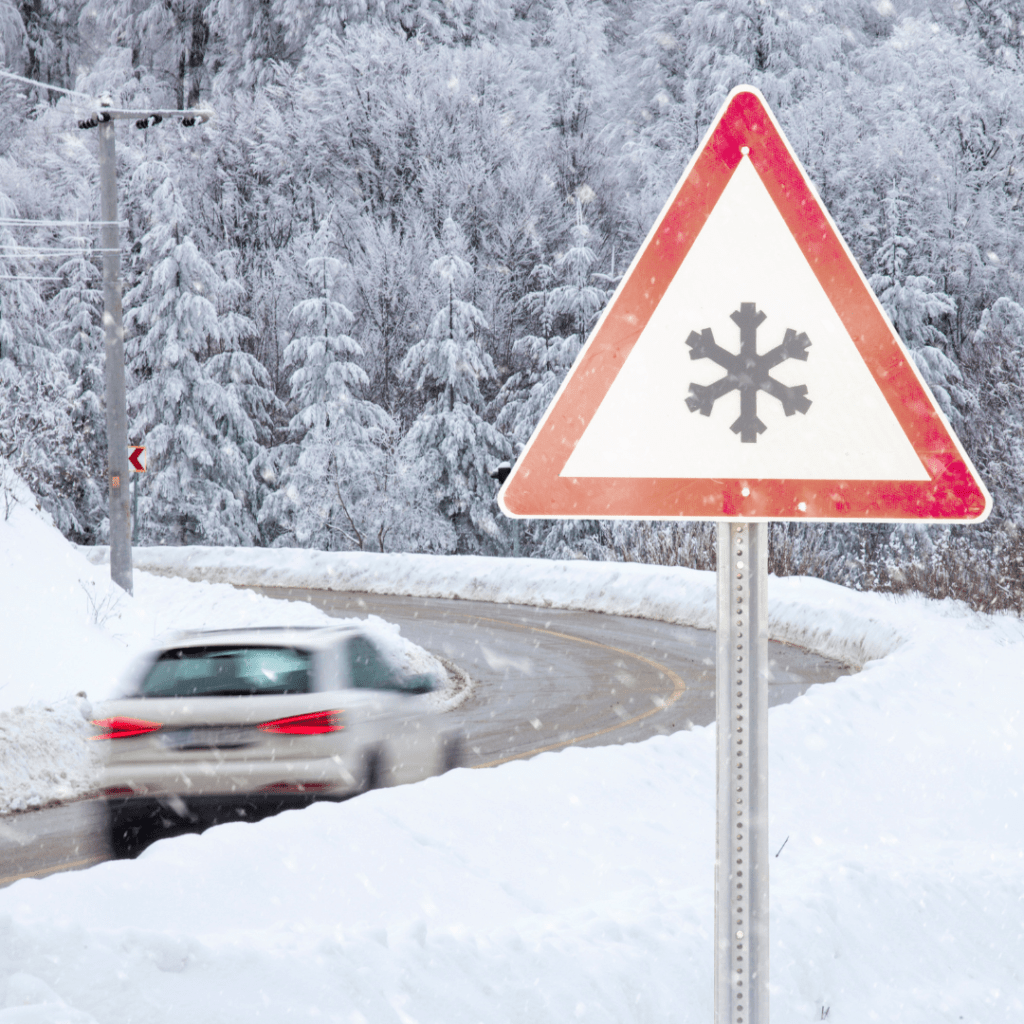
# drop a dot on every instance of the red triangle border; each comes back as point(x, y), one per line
point(534, 488)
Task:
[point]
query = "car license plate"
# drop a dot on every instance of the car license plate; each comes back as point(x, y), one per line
point(208, 738)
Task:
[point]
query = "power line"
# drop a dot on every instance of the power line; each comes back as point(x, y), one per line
point(44, 85)
point(41, 247)
point(25, 222)
point(45, 254)
point(15, 247)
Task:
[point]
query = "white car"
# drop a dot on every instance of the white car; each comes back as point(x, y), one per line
point(242, 723)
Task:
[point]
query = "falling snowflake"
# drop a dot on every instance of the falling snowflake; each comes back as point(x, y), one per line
point(748, 372)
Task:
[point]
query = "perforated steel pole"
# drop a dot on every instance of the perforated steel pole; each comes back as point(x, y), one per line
point(741, 862)
point(113, 332)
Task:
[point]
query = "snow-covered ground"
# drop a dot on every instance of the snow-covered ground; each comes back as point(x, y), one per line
point(577, 886)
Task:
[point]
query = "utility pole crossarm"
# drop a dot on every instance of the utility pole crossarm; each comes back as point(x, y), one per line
point(117, 114)
point(143, 118)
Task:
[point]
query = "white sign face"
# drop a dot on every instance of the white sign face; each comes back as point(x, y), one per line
point(745, 253)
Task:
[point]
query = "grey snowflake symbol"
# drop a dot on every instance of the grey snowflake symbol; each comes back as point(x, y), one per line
point(748, 372)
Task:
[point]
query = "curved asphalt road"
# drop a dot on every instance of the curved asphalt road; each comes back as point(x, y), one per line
point(544, 679)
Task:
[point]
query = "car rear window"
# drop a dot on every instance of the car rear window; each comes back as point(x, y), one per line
point(227, 672)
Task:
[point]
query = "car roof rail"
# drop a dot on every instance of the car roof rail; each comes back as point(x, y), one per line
point(192, 633)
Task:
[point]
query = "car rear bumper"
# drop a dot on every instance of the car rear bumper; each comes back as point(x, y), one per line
point(322, 777)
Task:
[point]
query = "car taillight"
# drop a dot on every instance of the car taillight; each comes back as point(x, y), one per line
point(306, 725)
point(119, 728)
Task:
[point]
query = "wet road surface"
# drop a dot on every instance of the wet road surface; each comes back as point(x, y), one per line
point(543, 679)
point(546, 678)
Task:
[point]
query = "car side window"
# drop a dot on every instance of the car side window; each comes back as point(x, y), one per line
point(367, 669)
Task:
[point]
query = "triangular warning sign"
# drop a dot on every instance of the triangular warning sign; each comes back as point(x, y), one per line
point(744, 369)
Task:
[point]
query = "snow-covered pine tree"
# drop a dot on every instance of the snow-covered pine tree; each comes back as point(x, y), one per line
point(167, 37)
point(999, 23)
point(914, 302)
point(38, 441)
point(387, 264)
point(23, 336)
point(329, 473)
point(247, 381)
point(77, 311)
point(577, 45)
point(255, 39)
point(992, 432)
point(52, 39)
point(565, 306)
point(198, 487)
point(994, 429)
point(450, 445)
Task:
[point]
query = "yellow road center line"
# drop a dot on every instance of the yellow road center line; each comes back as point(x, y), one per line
point(679, 688)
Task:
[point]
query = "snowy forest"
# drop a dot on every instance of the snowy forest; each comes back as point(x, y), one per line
point(351, 294)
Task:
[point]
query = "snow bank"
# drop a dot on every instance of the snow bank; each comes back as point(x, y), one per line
point(66, 629)
point(44, 754)
point(822, 617)
point(578, 885)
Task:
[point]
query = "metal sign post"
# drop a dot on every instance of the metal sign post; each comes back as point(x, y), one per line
point(741, 855)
